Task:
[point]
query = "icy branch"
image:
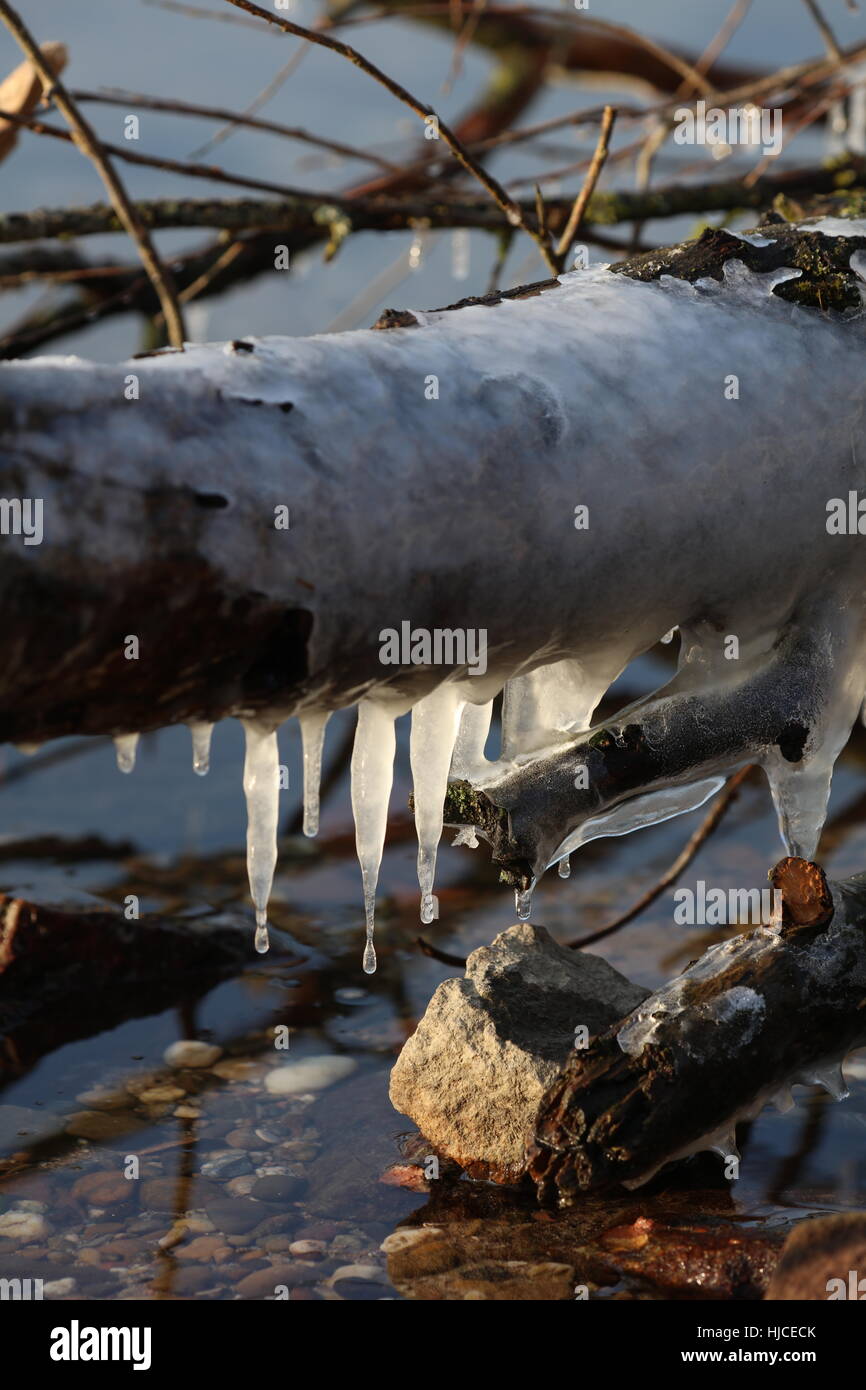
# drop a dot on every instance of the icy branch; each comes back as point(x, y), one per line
point(756, 1014)
point(525, 493)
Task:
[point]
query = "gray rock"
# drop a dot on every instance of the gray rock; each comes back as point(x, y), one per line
point(473, 1073)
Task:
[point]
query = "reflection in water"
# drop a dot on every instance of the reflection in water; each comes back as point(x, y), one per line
point(243, 1190)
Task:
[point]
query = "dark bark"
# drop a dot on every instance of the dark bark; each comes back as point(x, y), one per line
point(616, 1116)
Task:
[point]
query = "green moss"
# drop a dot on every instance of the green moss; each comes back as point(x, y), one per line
point(826, 280)
point(465, 805)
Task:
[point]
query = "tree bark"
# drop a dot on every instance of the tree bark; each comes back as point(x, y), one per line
point(754, 1015)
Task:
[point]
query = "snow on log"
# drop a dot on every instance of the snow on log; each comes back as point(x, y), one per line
point(525, 493)
point(754, 1015)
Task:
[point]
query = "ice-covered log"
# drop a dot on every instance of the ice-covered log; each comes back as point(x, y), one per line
point(754, 1015)
point(525, 492)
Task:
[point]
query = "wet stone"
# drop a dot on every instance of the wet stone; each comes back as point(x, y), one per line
point(103, 1126)
point(278, 1188)
point(105, 1189)
point(236, 1216)
point(227, 1165)
point(191, 1053)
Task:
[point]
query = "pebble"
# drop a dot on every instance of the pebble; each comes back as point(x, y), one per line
point(227, 1165)
point(308, 1249)
point(241, 1138)
point(236, 1069)
point(187, 1112)
point(408, 1236)
point(157, 1095)
point(278, 1187)
point(203, 1248)
point(309, 1074)
point(190, 1053)
point(262, 1283)
point(242, 1187)
point(193, 1279)
point(22, 1227)
point(101, 1125)
point(104, 1189)
point(370, 1274)
point(277, 1245)
point(58, 1288)
point(236, 1216)
point(101, 1099)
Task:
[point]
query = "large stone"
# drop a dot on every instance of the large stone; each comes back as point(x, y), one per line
point(473, 1073)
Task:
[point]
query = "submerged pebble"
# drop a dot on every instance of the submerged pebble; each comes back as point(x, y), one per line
point(309, 1074)
point(191, 1053)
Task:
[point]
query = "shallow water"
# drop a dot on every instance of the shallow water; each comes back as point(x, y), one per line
point(242, 1192)
point(193, 1224)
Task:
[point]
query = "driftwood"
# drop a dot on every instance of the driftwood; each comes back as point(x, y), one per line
point(159, 507)
point(754, 1015)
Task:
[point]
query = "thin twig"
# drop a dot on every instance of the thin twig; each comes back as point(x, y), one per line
point(825, 31)
point(113, 97)
point(512, 210)
point(211, 172)
point(87, 141)
point(682, 861)
point(581, 202)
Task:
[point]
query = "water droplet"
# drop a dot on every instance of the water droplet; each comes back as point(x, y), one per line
point(369, 958)
point(564, 869)
point(523, 903)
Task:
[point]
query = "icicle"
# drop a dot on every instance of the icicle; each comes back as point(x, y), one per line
point(553, 701)
point(201, 732)
point(372, 775)
point(564, 869)
point(125, 746)
point(523, 902)
point(800, 796)
point(262, 791)
point(469, 760)
point(830, 1077)
point(649, 809)
point(312, 738)
point(435, 721)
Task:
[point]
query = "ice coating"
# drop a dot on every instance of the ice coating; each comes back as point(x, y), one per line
point(372, 775)
point(262, 792)
point(559, 399)
point(637, 813)
point(435, 722)
point(469, 760)
point(126, 746)
point(313, 725)
point(201, 733)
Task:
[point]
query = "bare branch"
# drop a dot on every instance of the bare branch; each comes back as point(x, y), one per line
point(86, 139)
point(513, 211)
point(581, 202)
